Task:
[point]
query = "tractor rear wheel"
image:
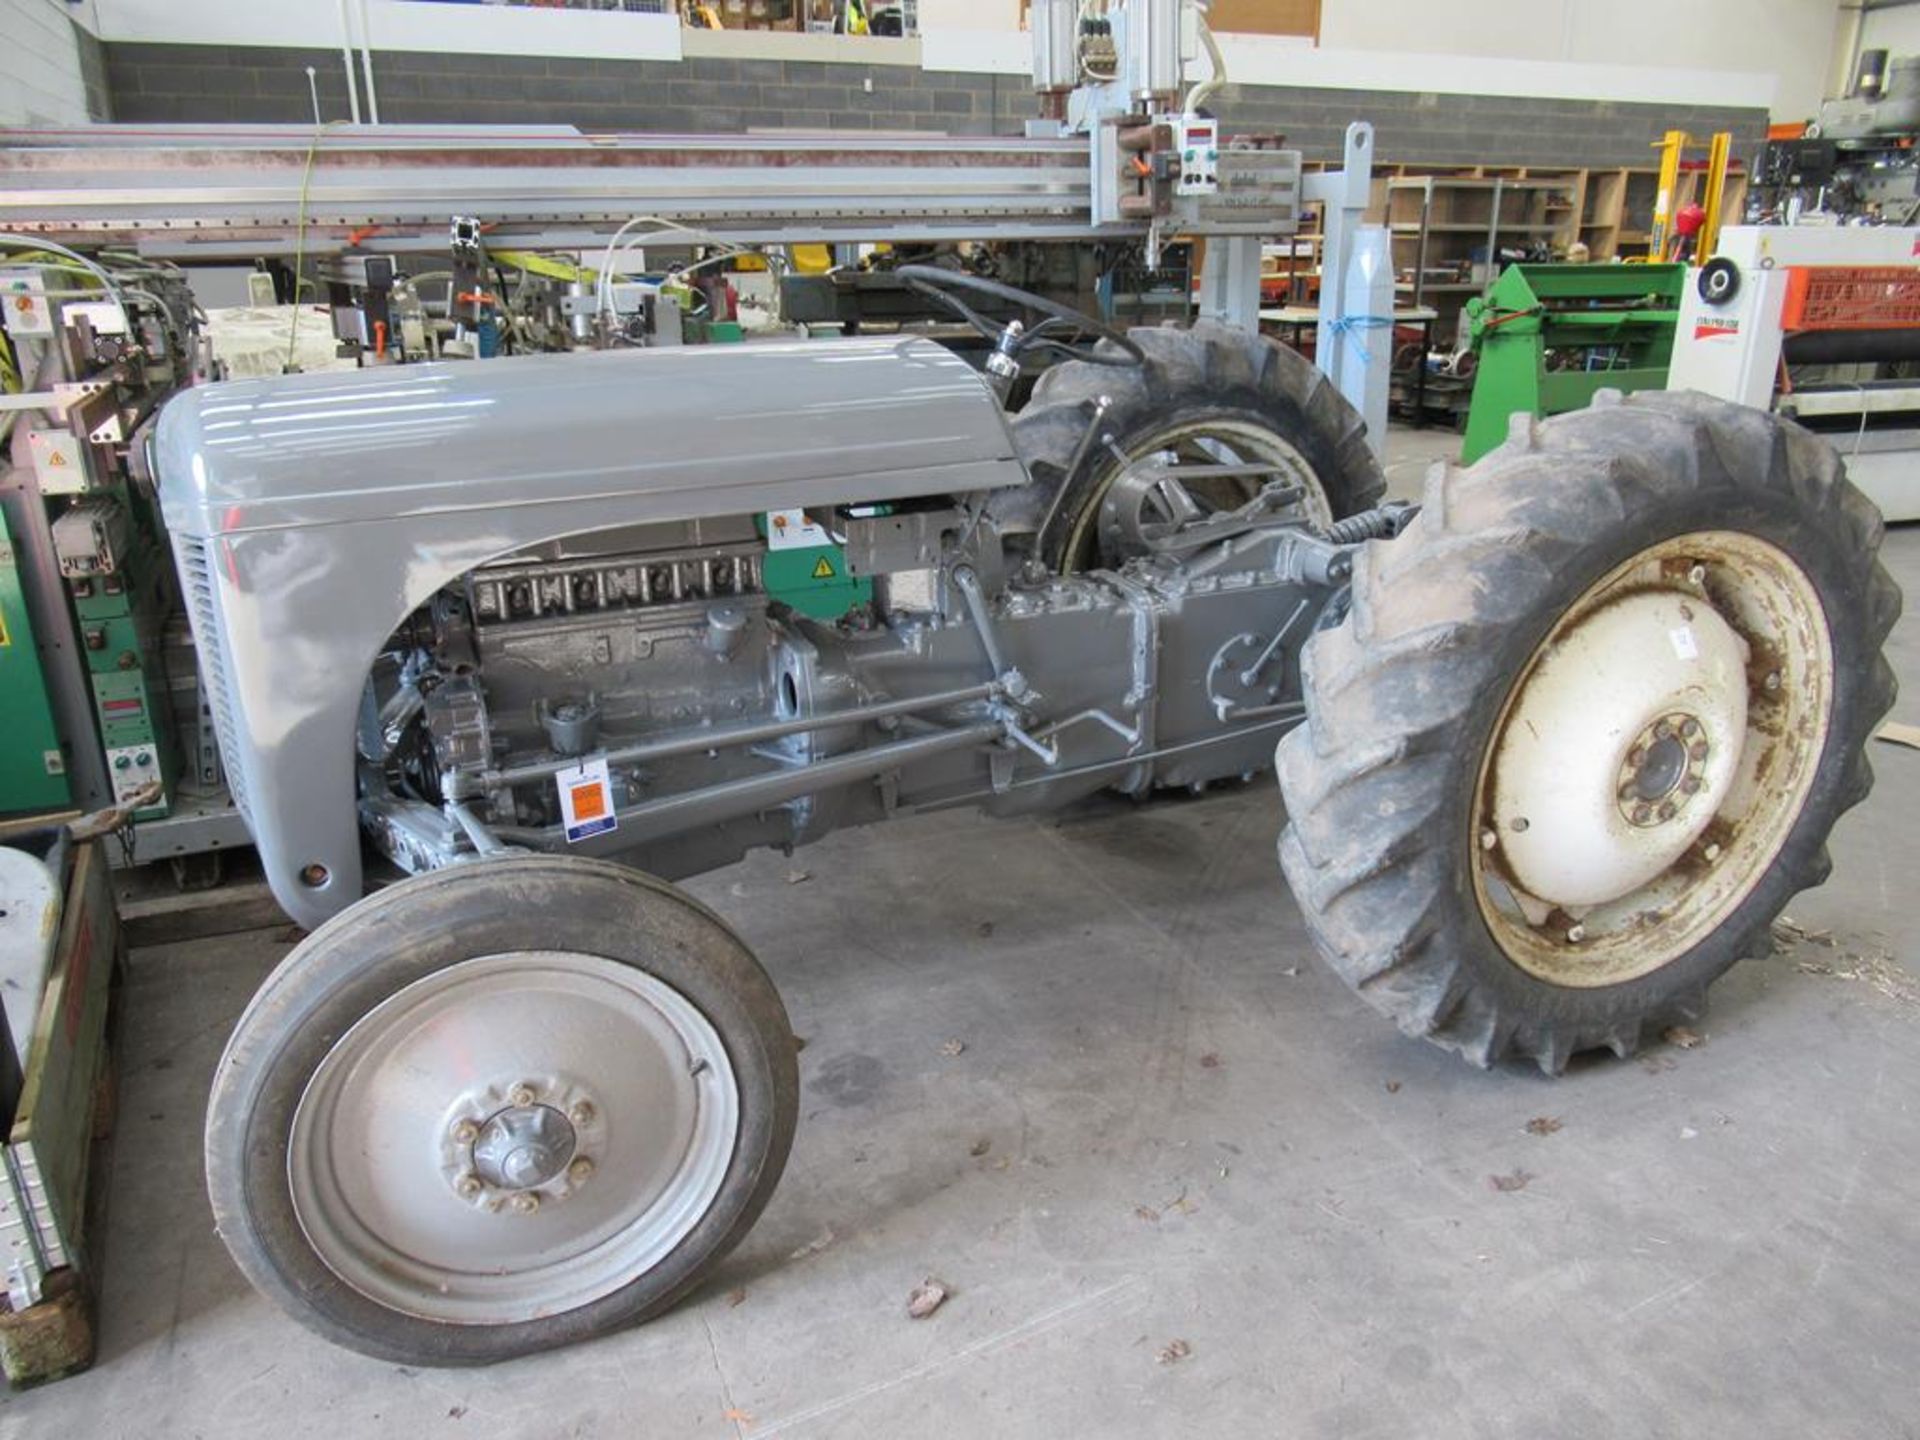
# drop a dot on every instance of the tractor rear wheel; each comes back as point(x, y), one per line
point(1210, 394)
point(499, 1108)
point(1587, 724)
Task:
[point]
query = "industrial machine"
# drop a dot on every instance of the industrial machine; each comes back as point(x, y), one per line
point(1546, 338)
point(1556, 745)
point(1856, 161)
point(87, 587)
point(1820, 322)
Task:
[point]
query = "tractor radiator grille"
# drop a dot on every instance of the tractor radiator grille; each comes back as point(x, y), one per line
point(203, 608)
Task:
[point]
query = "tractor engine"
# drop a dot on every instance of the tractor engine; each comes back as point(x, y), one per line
point(661, 652)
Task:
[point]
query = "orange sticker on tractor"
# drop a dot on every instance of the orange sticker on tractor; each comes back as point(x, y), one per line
point(586, 800)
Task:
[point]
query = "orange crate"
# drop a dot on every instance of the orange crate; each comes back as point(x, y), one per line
point(1852, 297)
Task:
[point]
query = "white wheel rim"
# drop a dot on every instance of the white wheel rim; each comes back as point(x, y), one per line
point(1217, 441)
point(409, 1153)
point(1651, 759)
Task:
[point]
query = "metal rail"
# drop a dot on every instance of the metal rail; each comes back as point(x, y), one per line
point(212, 192)
point(710, 804)
point(723, 737)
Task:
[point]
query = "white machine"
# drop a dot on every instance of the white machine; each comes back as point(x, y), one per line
point(1809, 320)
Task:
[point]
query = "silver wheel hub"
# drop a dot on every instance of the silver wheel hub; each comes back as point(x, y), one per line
point(430, 1155)
point(1170, 499)
point(523, 1146)
point(503, 1143)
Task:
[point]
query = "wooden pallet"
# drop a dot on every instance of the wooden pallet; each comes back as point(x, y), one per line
point(64, 1113)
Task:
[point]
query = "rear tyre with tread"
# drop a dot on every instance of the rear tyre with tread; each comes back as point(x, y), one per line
point(1200, 388)
point(1399, 844)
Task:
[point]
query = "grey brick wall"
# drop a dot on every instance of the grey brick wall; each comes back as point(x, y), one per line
point(239, 83)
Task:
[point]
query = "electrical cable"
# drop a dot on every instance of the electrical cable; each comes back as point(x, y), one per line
point(603, 287)
point(32, 242)
point(166, 315)
point(300, 233)
point(1207, 88)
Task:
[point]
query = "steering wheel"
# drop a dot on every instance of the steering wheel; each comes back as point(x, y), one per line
point(1062, 324)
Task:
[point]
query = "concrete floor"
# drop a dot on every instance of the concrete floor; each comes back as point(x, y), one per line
point(1169, 1130)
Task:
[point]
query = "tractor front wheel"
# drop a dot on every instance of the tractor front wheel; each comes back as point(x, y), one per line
point(499, 1108)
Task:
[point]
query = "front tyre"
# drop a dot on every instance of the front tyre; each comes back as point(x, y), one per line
point(500, 1108)
point(1587, 726)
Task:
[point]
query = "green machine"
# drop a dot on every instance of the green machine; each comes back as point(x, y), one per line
point(33, 769)
point(807, 570)
point(118, 579)
point(1548, 336)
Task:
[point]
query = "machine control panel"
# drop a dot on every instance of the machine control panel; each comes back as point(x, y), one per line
point(132, 769)
point(1199, 141)
point(26, 313)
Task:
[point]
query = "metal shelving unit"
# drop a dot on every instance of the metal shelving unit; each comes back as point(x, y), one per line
point(1428, 216)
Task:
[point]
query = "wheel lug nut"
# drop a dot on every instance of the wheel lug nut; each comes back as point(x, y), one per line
point(580, 1169)
point(1662, 730)
point(1691, 784)
point(465, 1132)
point(522, 1095)
point(1519, 825)
point(1689, 727)
point(525, 1203)
point(1642, 814)
point(1697, 750)
point(1667, 811)
point(1637, 756)
point(467, 1186)
point(1712, 852)
point(581, 1113)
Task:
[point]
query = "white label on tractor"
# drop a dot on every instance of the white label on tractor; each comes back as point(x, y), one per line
point(791, 530)
point(1684, 645)
point(586, 800)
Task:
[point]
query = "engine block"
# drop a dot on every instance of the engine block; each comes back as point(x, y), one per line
point(508, 591)
point(672, 666)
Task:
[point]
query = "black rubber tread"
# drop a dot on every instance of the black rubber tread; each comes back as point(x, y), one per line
point(1402, 696)
point(409, 930)
point(1208, 371)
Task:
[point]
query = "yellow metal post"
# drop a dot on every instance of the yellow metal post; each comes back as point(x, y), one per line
point(1718, 156)
point(1671, 148)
